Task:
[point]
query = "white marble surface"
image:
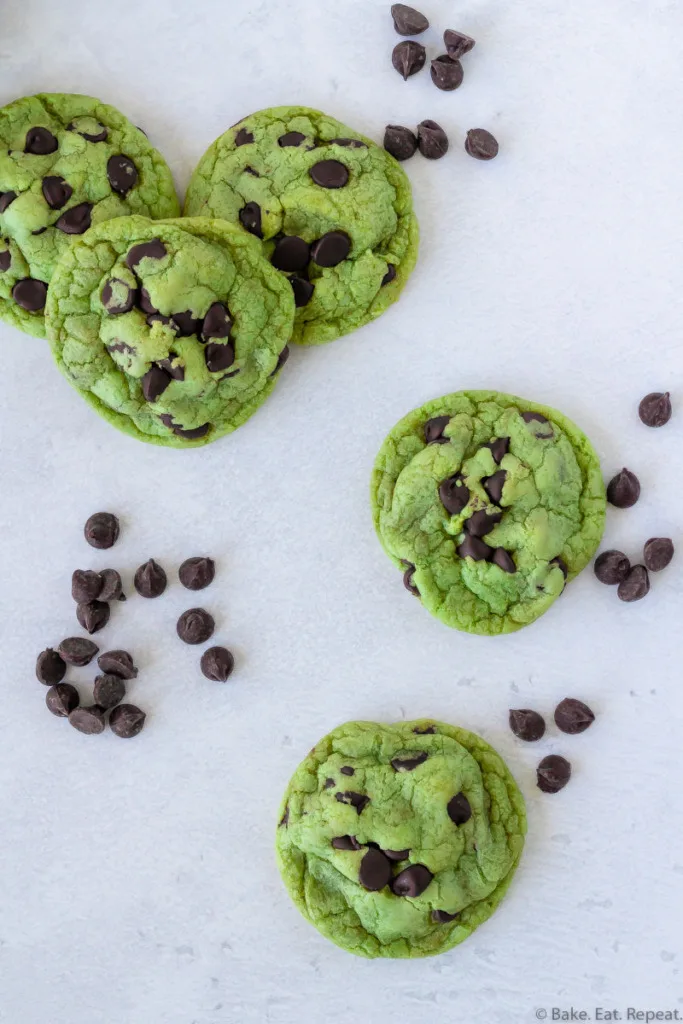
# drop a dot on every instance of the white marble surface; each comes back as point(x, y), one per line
point(138, 880)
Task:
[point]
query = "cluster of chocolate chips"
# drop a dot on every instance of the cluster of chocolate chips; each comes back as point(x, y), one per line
point(571, 716)
point(409, 57)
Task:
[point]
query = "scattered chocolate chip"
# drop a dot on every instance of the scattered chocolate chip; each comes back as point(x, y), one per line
point(409, 764)
point(526, 724)
point(408, 581)
point(553, 773)
point(623, 490)
point(396, 855)
point(346, 843)
point(475, 548)
point(655, 409)
point(56, 191)
point(657, 553)
point(291, 253)
point(5, 260)
point(250, 218)
point(347, 770)
point(126, 721)
point(219, 357)
point(331, 249)
point(195, 626)
point(426, 730)
point(50, 667)
point(152, 250)
point(150, 579)
point(408, 58)
point(399, 142)
point(5, 199)
point(408, 21)
point(457, 43)
point(30, 294)
point(88, 720)
point(434, 428)
point(390, 274)
point(443, 917)
point(329, 783)
point(329, 174)
point(197, 573)
point(493, 485)
point(85, 585)
point(612, 567)
point(482, 522)
point(173, 369)
point(76, 650)
point(291, 139)
point(108, 691)
point(454, 494)
point(635, 586)
point(217, 664)
point(503, 559)
point(185, 324)
point(61, 699)
point(154, 383)
point(447, 74)
point(243, 137)
point(573, 716)
point(458, 809)
point(303, 291)
point(112, 587)
point(118, 297)
point(117, 663)
point(281, 360)
point(92, 615)
point(374, 871)
point(561, 565)
point(412, 881)
point(481, 144)
point(432, 140)
point(122, 174)
point(76, 220)
point(40, 142)
point(357, 800)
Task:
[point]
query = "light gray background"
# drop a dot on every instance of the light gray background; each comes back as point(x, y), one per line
point(138, 880)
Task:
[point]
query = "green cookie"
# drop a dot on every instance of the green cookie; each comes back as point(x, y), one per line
point(173, 330)
point(400, 840)
point(490, 504)
point(66, 162)
point(334, 211)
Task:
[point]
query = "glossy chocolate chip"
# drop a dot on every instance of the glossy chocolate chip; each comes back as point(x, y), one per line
point(154, 383)
point(85, 585)
point(217, 664)
point(195, 626)
point(331, 249)
point(457, 43)
point(432, 140)
point(243, 137)
point(76, 220)
point(117, 663)
point(400, 142)
point(56, 191)
point(390, 274)
point(303, 291)
point(89, 720)
point(397, 855)
point(409, 763)
point(454, 494)
point(172, 367)
point(6, 200)
point(126, 721)
point(482, 522)
point(217, 323)
point(291, 253)
point(526, 724)
point(152, 250)
point(504, 560)
point(475, 548)
point(623, 490)
point(185, 323)
point(553, 773)
point(92, 615)
point(374, 871)
point(412, 881)
point(146, 305)
point(250, 218)
point(655, 409)
point(30, 294)
point(498, 448)
point(150, 579)
point(219, 357)
point(408, 58)
point(635, 586)
point(345, 842)
point(117, 297)
point(408, 581)
point(50, 667)
point(108, 691)
point(447, 74)
point(329, 174)
point(357, 800)
point(657, 553)
point(434, 428)
point(101, 530)
point(408, 21)
point(62, 699)
point(443, 917)
point(481, 144)
point(458, 809)
point(291, 139)
point(40, 142)
point(573, 716)
point(76, 650)
point(493, 485)
point(197, 573)
point(112, 587)
point(5, 260)
point(611, 567)
point(122, 174)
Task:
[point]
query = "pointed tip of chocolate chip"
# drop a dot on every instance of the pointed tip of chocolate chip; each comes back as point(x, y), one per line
point(623, 490)
point(408, 58)
point(407, 20)
point(526, 724)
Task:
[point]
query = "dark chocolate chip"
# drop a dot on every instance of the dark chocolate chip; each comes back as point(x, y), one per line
point(434, 428)
point(219, 357)
point(92, 615)
point(101, 530)
point(475, 548)
point(623, 490)
point(374, 871)
point(390, 274)
point(432, 140)
point(76, 220)
point(195, 626)
point(331, 249)
point(243, 137)
point(635, 586)
point(399, 142)
point(493, 485)
point(85, 585)
point(117, 663)
point(89, 720)
point(152, 250)
point(118, 297)
point(503, 559)
point(657, 553)
point(655, 409)
point(40, 142)
point(303, 291)
point(217, 664)
point(348, 143)
point(457, 43)
point(612, 567)
point(357, 800)
point(481, 145)
point(154, 383)
point(150, 579)
point(346, 843)
point(458, 809)
point(145, 303)
point(76, 650)
point(573, 716)
point(408, 581)
point(126, 721)
point(252, 170)
point(329, 783)
point(561, 564)
point(426, 730)
point(120, 346)
point(30, 294)
point(281, 360)
point(447, 73)
point(291, 253)
point(190, 433)
point(5, 260)
point(553, 773)
point(443, 917)
point(217, 323)
point(454, 494)
point(499, 448)
point(284, 820)
point(408, 21)
point(347, 770)
point(250, 218)
point(291, 139)
point(39, 231)
point(108, 691)
point(185, 324)
point(329, 174)
point(112, 587)
point(526, 724)
point(412, 881)
point(396, 855)
point(482, 522)
point(197, 573)
point(122, 174)
point(174, 369)
point(408, 58)
point(61, 699)
point(409, 764)
point(50, 667)
point(6, 198)
point(56, 191)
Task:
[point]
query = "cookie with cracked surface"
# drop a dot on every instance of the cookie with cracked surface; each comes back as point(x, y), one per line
point(66, 162)
point(333, 211)
point(492, 503)
point(173, 330)
point(400, 840)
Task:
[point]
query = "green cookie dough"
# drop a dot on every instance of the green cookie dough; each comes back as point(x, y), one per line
point(490, 504)
point(262, 173)
point(173, 330)
point(66, 162)
point(400, 840)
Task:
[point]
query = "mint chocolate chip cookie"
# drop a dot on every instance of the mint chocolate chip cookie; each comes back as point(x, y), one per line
point(489, 504)
point(173, 330)
point(66, 162)
point(333, 210)
point(400, 840)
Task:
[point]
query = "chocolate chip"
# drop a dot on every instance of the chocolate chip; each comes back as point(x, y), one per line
point(503, 559)
point(357, 800)
point(408, 58)
point(526, 724)
point(291, 139)
point(30, 294)
point(409, 764)
point(150, 579)
point(454, 494)
point(154, 383)
point(126, 721)
point(40, 142)
point(62, 699)
point(346, 843)
point(50, 667)
point(657, 553)
point(623, 490)
point(434, 428)
point(281, 360)
point(85, 585)
point(251, 170)
point(329, 174)
point(173, 369)
point(92, 615)
point(457, 43)
point(390, 275)
point(443, 917)
point(331, 249)
point(303, 291)
point(635, 586)
point(284, 820)
point(122, 174)
point(117, 663)
point(195, 626)
point(291, 253)
point(185, 324)
point(39, 231)
point(145, 303)
point(396, 855)
point(329, 783)
point(573, 716)
point(250, 218)
point(426, 730)
point(217, 664)
point(197, 573)
point(482, 522)
point(447, 74)
point(120, 346)
point(481, 144)
point(408, 21)
point(118, 297)
point(100, 136)
point(108, 691)
point(5, 260)
point(112, 587)
point(561, 565)
point(76, 220)
point(6, 198)
point(408, 581)
point(412, 881)
point(458, 809)
point(347, 770)
point(152, 250)
point(190, 433)
point(374, 871)
point(243, 137)
point(76, 650)
point(475, 548)
point(89, 720)
point(432, 140)
point(349, 143)
point(612, 567)
point(553, 774)
point(493, 485)
point(56, 191)
point(655, 409)
point(400, 142)
point(219, 357)
point(217, 323)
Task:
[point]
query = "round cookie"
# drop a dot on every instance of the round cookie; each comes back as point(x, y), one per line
point(489, 504)
point(333, 209)
point(66, 162)
point(173, 330)
point(400, 840)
